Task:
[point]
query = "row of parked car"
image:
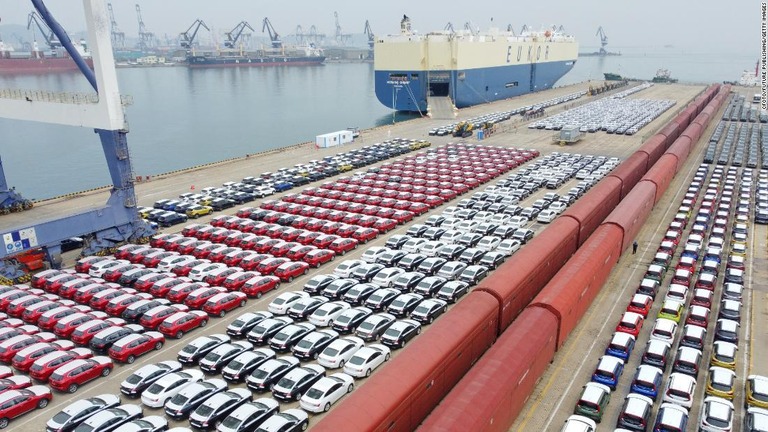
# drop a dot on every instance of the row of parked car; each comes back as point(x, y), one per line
point(498, 117)
point(717, 412)
point(741, 110)
point(168, 212)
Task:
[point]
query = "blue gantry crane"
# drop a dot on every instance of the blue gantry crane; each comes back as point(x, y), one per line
point(118, 220)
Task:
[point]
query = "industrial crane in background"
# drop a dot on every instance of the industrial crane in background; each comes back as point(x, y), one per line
point(273, 35)
point(314, 36)
point(511, 30)
point(341, 38)
point(50, 37)
point(603, 41)
point(449, 28)
point(187, 39)
point(118, 37)
point(234, 35)
point(369, 34)
point(146, 38)
point(299, 35)
point(470, 28)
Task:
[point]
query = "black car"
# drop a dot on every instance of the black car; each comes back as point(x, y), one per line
point(190, 397)
point(431, 265)
point(128, 278)
point(473, 274)
point(391, 258)
point(397, 241)
point(430, 285)
point(400, 332)
point(366, 272)
point(433, 233)
point(503, 231)
point(381, 298)
point(374, 326)
point(199, 348)
point(451, 291)
point(217, 407)
point(103, 340)
point(428, 310)
point(434, 220)
point(523, 234)
point(70, 417)
point(311, 345)
point(470, 239)
point(492, 259)
point(485, 228)
point(339, 288)
point(471, 256)
point(111, 419)
point(293, 384)
point(219, 204)
point(350, 319)
point(417, 230)
point(318, 283)
point(140, 380)
point(242, 365)
point(451, 252)
point(133, 313)
point(289, 336)
point(304, 307)
point(358, 293)
point(407, 281)
point(171, 218)
point(248, 416)
point(245, 323)
point(404, 304)
point(411, 261)
point(262, 378)
point(215, 360)
point(267, 328)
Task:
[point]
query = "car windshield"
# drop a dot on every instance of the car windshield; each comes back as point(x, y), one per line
point(304, 344)
point(155, 389)
point(286, 383)
point(330, 351)
point(421, 310)
point(356, 360)
point(189, 349)
point(392, 332)
point(180, 399)
point(204, 410)
point(343, 319)
point(366, 326)
point(232, 423)
point(133, 379)
point(235, 364)
point(61, 418)
point(84, 427)
point(57, 376)
point(314, 393)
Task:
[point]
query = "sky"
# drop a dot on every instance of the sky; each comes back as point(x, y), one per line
point(703, 25)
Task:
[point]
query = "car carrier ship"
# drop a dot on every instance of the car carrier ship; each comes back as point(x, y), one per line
point(466, 66)
point(305, 55)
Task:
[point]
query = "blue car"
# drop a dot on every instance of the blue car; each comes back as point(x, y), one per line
point(608, 371)
point(647, 381)
point(283, 186)
point(621, 345)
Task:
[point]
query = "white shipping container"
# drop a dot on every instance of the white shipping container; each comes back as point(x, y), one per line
point(334, 138)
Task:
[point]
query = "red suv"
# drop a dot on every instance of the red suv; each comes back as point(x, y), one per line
point(153, 317)
point(222, 303)
point(135, 345)
point(43, 367)
point(197, 298)
point(78, 372)
point(259, 285)
point(181, 322)
point(287, 271)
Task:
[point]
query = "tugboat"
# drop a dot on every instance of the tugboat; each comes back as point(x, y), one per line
point(663, 76)
point(612, 76)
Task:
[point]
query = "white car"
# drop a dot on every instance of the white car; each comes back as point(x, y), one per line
point(367, 359)
point(430, 248)
point(283, 302)
point(509, 246)
point(326, 392)
point(716, 415)
point(518, 222)
point(168, 264)
point(284, 420)
point(385, 277)
point(199, 272)
point(338, 353)
point(680, 390)
point(325, 314)
point(546, 216)
point(162, 390)
point(374, 252)
point(577, 423)
point(346, 268)
point(488, 243)
point(101, 267)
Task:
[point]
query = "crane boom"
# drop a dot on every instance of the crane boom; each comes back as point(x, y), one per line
point(118, 37)
point(273, 35)
point(369, 33)
point(50, 37)
point(234, 35)
point(185, 39)
point(146, 38)
point(603, 40)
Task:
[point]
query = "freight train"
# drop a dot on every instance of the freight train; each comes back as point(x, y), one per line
point(484, 358)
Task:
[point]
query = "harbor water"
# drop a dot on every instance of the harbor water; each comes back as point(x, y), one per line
point(181, 117)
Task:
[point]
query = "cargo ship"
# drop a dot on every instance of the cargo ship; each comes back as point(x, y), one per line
point(37, 61)
point(467, 66)
point(305, 55)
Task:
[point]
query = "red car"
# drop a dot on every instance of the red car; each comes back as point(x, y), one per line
point(161, 240)
point(309, 237)
point(180, 292)
point(282, 249)
point(250, 263)
point(87, 330)
point(298, 252)
point(433, 201)
point(217, 279)
point(249, 241)
point(352, 218)
point(289, 270)
point(419, 208)
point(116, 306)
point(152, 260)
point(234, 258)
point(16, 308)
point(54, 284)
point(363, 235)
point(346, 230)
point(14, 403)
point(269, 265)
point(235, 281)
point(222, 303)
point(220, 221)
point(181, 322)
point(68, 290)
point(100, 300)
point(23, 359)
point(9, 347)
point(383, 225)
point(191, 230)
point(290, 234)
point(49, 319)
point(146, 282)
point(135, 345)
point(43, 367)
point(314, 225)
point(82, 265)
point(258, 285)
point(318, 257)
point(72, 375)
point(403, 216)
point(34, 312)
point(343, 245)
point(630, 323)
point(65, 326)
point(300, 222)
point(640, 304)
point(336, 215)
point(386, 212)
point(324, 241)
point(161, 288)
point(153, 317)
point(265, 245)
point(126, 251)
point(197, 298)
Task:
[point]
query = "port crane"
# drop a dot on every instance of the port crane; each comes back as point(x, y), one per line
point(273, 35)
point(449, 28)
point(186, 40)
point(234, 35)
point(299, 34)
point(102, 227)
point(603, 41)
point(468, 26)
point(50, 37)
point(146, 37)
point(341, 38)
point(369, 33)
point(118, 37)
point(314, 36)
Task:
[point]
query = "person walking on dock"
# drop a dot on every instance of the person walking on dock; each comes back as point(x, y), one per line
point(634, 247)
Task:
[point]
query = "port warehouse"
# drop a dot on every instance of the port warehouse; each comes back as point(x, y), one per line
point(496, 343)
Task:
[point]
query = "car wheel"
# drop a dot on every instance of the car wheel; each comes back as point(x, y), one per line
point(333, 257)
point(368, 373)
point(43, 403)
point(350, 388)
point(341, 364)
point(306, 270)
point(430, 320)
point(130, 359)
point(158, 345)
point(386, 357)
point(327, 407)
point(222, 313)
point(179, 334)
point(72, 388)
point(304, 426)
point(290, 279)
point(242, 303)
point(203, 323)
point(3, 423)
point(258, 295)
point(106, 372)
point(343, 252)
point(418, 330)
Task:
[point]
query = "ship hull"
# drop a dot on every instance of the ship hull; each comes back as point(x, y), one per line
point(213, 62)
point(405, 90)
point(39, 65)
